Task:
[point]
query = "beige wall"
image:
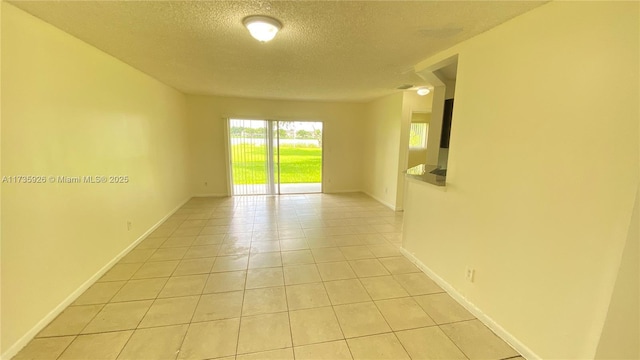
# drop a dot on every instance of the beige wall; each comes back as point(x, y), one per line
point(342, 138)
point(386, 152)
point(621, 330)
point(70, 109)
point(422, 117)
point(419, 156)
point(382, 147)
point(416, 157)
point(411, 102)
point(543, 170)
point(1, 296)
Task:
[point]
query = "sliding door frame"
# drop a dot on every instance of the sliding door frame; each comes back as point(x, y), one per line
point(271, 173)
point(270, 163)
point(227, 153)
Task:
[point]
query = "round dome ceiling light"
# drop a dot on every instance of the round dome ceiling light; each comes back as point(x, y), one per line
point(262, 28)
point(422, 91)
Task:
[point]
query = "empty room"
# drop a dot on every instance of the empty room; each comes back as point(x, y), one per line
point(319, 180)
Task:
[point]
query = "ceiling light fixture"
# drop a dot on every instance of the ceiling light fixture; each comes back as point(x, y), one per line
point(262, 28)
point(422, 91)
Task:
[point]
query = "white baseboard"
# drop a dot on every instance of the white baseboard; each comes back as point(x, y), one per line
point(29, 335)
point(390, 206)
point(520, 347)
point(211, 195)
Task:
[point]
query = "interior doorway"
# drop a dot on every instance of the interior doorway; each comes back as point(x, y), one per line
point(275, 157)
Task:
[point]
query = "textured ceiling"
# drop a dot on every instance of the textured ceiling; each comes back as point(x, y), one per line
point(327, 50)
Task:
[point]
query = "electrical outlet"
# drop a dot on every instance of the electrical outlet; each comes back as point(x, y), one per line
point(386, 190)
point(129, 225)
point(470, 274)
point(206, 184)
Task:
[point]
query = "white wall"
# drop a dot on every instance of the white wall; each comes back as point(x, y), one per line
point(70, 109)
point(342, 141)
point(543, 170)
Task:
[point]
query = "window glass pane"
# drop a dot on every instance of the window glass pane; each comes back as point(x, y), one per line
point(418, 135)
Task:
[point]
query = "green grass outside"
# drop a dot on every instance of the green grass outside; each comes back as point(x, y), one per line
point(301, 164)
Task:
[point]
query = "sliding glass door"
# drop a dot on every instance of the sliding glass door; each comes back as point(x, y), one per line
point(275, 157)
point(300, 160)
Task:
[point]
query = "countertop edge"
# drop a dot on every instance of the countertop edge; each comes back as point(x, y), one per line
point(421, 173)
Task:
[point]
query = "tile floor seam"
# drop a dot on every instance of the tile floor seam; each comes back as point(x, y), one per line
point(374, 303)
point(458, 321)
point(450, 339)
point(120, 330)
point(244, 291)
point(142, 318)
point(79, 332)
point(66, 347)
point(93, 317)
point(344, 337)
point(378, 308)
point(401, 344)
point(286, 300)
point(181, 342)
point(126, 342)
point(195, 309)
point(174, 230)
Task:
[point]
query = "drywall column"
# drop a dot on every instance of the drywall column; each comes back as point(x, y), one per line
point(437, 111)
point(411, 102)
point(435, 126)
point(621, 331)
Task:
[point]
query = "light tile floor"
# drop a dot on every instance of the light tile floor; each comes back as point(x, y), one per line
point(269, 277)
point(297, 188)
